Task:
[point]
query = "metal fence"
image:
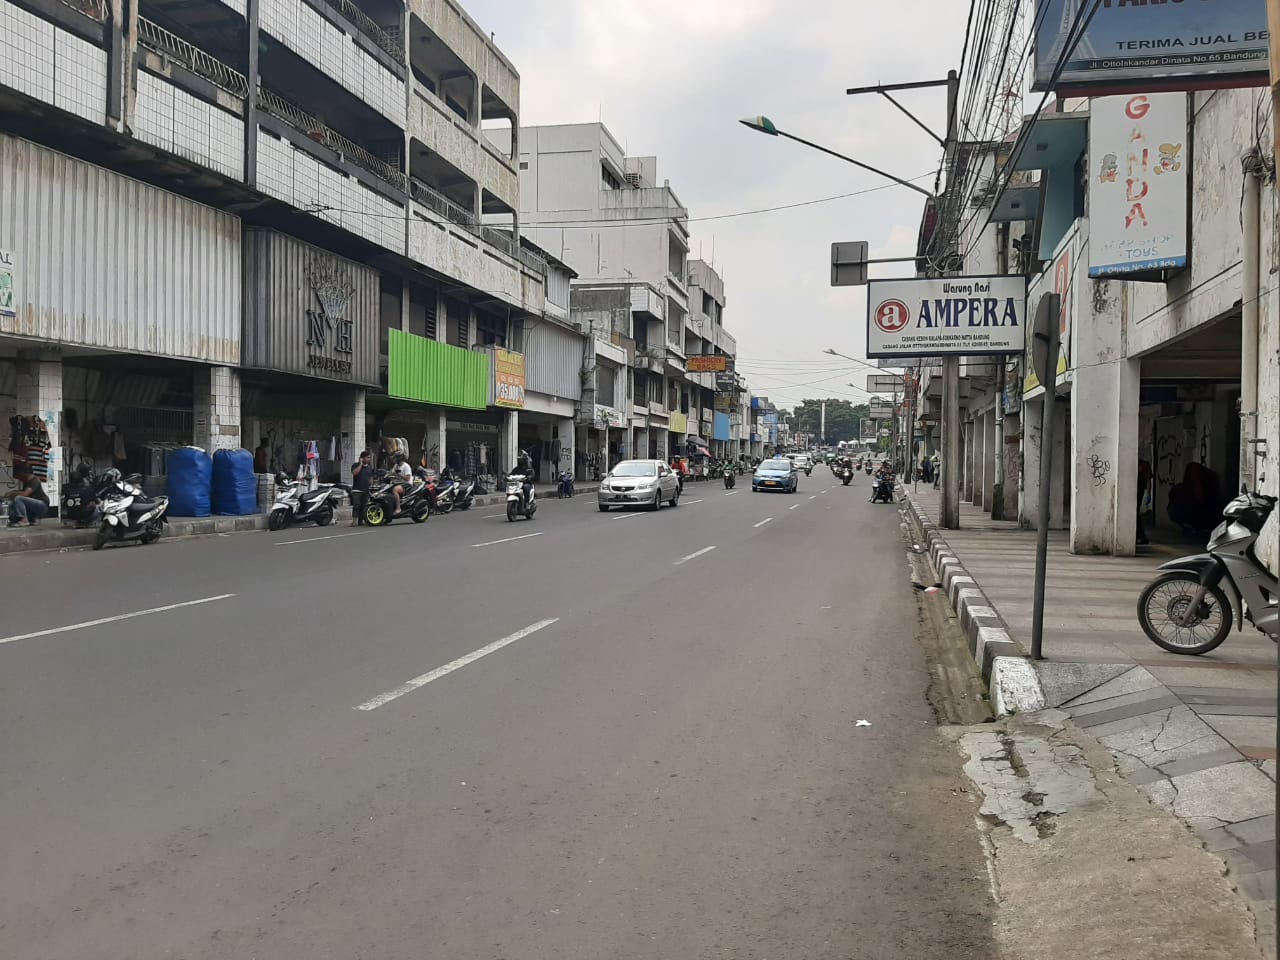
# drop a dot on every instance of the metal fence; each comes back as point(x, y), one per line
point(384, 38)
point(157, 38)
point(95, 9)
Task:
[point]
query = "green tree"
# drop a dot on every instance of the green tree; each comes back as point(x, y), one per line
point(843, 418)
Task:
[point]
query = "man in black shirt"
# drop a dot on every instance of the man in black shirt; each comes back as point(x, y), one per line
point(361, 476)
point(30, 502)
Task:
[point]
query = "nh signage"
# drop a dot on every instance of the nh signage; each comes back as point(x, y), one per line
point(949, 315)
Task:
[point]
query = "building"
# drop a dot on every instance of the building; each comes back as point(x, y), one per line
point(284, 220)
point(1175, 366)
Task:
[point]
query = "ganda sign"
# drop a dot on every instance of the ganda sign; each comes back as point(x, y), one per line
point(950, 315)
point(508, 378)
point(1137, 183)
point(1139, 46)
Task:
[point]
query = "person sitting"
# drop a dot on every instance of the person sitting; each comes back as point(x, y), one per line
point(30, 502)
point(403, 474)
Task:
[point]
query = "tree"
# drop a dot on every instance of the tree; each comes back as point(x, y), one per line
point(843, 419)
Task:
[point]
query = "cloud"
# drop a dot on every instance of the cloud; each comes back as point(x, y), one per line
point(671, 78)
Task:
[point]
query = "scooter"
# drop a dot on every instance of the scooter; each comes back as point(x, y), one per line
point(565, 488)
point(125, 516)
point(518, 504)
point(464, 493)
point(295, 504)
point(79, 497)
point(729, 479)
point(846, 475)
point(882, 490)
point(414, 502)
point(1186, 610)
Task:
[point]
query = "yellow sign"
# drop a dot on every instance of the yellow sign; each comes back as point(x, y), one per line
point(724, 402)
point(708, 364)
point(508, 378)
point(678, 422)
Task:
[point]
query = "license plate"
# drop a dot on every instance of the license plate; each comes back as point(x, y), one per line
point(771, 483)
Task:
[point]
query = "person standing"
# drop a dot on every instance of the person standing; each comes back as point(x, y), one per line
point(361, 478)
point(30, 502)
point(1144, 482)
point(261, 457)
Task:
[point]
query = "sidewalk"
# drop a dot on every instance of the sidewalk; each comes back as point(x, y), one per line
point(50, 534)
point(1196, 734)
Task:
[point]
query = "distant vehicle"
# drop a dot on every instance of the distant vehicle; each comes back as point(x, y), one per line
point(639, 483)
point(777, 474)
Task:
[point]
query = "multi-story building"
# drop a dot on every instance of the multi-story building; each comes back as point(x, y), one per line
point(280, 219)
point(627, 237)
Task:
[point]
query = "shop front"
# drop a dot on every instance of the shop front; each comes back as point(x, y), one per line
point(310, 351)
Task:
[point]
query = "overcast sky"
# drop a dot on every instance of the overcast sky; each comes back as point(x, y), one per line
point(671, 78)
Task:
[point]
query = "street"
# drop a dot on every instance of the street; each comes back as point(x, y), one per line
point(589, 735)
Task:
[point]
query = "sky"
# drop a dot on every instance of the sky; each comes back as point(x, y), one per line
point(671, 78)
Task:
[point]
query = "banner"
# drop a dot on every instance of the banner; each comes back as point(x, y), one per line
point(709, 363)
point(950, 315)
point(508, 378)
point(727, 380)
point(1136, 47)
point(1138, 159)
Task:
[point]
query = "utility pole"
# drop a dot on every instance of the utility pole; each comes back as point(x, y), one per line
point(822, 428)
point(1273, 25)
point(951, 363)
point(997, 487)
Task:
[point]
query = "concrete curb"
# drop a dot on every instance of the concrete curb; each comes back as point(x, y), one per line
point(1003, 663)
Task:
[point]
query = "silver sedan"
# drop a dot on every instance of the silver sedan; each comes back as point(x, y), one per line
point(639, 483)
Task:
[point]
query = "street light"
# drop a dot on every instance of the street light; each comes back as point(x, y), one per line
point(765, 125)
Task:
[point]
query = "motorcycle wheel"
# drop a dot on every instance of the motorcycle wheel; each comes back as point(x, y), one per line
point(324, 516)
point(1163, 602)
point(276, 520)
point(375, 514)
point(446, 507)
point(465, 505)
point(100, 538)
point(513, 511)
point(420, 513)
point(152, 534)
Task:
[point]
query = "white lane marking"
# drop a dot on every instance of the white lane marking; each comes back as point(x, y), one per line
point(121, 616)
point(793, 506)
point(452, 665)
point(490, 543)
point(628, 516)
point(822, 491)
point(814, 497)
point(731, 493)
point(689, 503)
point(692, 555)
point(332, 536)
point(762, 522)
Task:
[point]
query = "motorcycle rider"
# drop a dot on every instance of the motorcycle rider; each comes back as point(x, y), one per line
point(885, 474)
point(524, 465)
point(404, 474)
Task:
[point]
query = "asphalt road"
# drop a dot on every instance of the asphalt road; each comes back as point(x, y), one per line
point(669, 766)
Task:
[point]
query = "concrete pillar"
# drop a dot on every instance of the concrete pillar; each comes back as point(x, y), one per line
point(582, 444)
point(989, 454)
point(509, 440)
point(351, 428)
point(966, 479)
point(661, 437)
point(216, 408)
point(568, 437)
point(640, 447)
point(1104, 467)
point(39, 394)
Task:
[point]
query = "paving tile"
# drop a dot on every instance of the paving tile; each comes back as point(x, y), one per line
point(1132, 680)
point(1142, 775)
point(1183, 689)
point(1232, 792)
point(1128, 710)
point(1259, 886)
point(1236, 710)
point(1218, 839)
point(1256, 731)
point(1257, 753)
point(1143, 696)
point(1199, 761)
point(1236, 699)
point(1251, 858)
point(1257, 830)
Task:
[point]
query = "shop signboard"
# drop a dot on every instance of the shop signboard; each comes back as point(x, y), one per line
point(709, 363)
point(1140, 47)
point(1060, 277)
point(884, 383)
point(308, 311)
point(1137, 184)
point(508, 378)
point(727, 380)
point(678, 422)
point(8, 304)
point(949, 315)
point(881, 411)
point(725, 401)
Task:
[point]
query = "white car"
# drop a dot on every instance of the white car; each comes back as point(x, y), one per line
point(639, 483)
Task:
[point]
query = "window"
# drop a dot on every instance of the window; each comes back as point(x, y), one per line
point(491, 330)
point(459, 324)
point(607, 180)
point(606, 380)
point(524, 164)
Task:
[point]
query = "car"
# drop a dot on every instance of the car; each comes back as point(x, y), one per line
point(639, 483)
point(776, 474)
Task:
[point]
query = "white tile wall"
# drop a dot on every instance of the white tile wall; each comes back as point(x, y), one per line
point(80, 77)
point(174, 120)
point(26, 52)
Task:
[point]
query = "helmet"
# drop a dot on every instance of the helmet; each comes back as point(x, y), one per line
point(282, 478)
point(110, 475)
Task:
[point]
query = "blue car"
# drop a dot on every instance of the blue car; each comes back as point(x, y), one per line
point(779, 474)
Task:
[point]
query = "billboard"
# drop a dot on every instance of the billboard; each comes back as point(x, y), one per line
point(727, 380)
point(947, 315)
point(1138, 47)
point(709, 363)
point(1060, 279)
point(1138, 161)
point(881, 411)
point(508, 378)
point(884, 383)
point(868, 430)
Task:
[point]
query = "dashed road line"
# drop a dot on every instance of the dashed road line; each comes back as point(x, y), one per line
point(696, 553)
point(119, 616)
point(490, 543)
point(763, 522)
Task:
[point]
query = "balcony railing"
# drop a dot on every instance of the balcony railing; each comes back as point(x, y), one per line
point(157, 38)
point(94, 9)
point(511, 246)
point(388, 40)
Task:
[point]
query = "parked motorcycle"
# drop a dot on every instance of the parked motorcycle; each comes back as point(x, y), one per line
point(730, 477)
point(414, 502)
point(519, 503)
point(121, 515)
point(1186, 610)
point(79, 496)
point(565, 487)
point(464, 494)
point(296, 504)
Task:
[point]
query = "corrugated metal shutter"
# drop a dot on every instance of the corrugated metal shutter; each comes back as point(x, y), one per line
point(433, 372)
point(554, 360)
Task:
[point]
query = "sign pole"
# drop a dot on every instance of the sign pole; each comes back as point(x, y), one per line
point(1046, 332)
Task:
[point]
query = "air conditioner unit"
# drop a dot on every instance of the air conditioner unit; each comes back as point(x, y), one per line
point(633, 180)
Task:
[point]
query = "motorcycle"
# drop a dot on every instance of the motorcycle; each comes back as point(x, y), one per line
point(846, 475)
point(1185, 610)
point(80, 495)
point(122, 515)
point(882, 490)
point(295, 504)
point(414, 502)
point(464, 494)
point(565, 488)
point(729, 479)
point(518, 504)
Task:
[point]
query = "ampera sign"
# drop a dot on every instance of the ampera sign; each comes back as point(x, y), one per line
point(328, 328)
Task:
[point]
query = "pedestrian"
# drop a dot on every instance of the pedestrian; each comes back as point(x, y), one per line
point(361, 477)
point(1144, 483)
point(30, 502)
point(261, 457)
